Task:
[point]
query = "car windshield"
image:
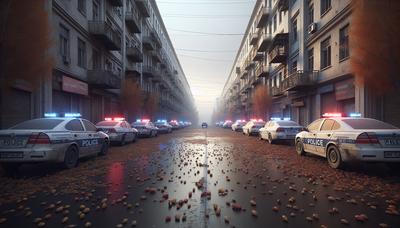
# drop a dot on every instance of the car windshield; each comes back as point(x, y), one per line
point(44, 124)
point(139, 124)
point(368, 124)
point(107, 123)
point(287, 123)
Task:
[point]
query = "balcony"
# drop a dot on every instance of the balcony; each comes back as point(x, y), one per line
point(299, 80)
point(149, 71)
point(103, 32)
point(243, 75)
point(148, 43)
point(132, 68)
point(263, 17)
point(283, 5)
point(104, 79)
point(278, 54)
point(258, 56)
point(249, 64)
point(156, 39)
point(156, 56)
point(132, 22)
point(254, 39)
point(237, 70)
point(276, 91)
point(264, 41)
point(134, 54)
point(143, 6)
point(261, 70)
point(117, 3)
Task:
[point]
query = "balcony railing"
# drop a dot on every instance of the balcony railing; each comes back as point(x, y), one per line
point(264, 41)
point(134, 54)
point(257, 56)
point(144, 7)
point(261, 70)
point(132, 22)
point(263, 16)
point(282, 5)
point(276, 91)
point(156, 55)
point(133, 68)
point(299, 80)
point(104, 32)
point(117, 3)
point(156, 38)
point(278, 54)
point(243, 75)
point(254, 39)
point(148, 43)
point(148, 71)
point(104, 79)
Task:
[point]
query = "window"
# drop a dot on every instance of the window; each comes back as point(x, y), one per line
point(274, 21)
point(344, 43)
point(294, 25)
point(43, 124)
point(74, 125)
point(310, 14)
point(336, 126)
point(294, 66)
point(89, 126)
point(367, 124)
point(81, 53)
point(96, 10)
point(64, 42)
point(327, 125)
point(310, 54)
point(82, 7)
point(96, 58)
point(314, 126)
point(326, 53)
point(325, 6)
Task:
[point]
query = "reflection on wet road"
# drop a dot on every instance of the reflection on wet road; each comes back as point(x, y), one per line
point(201, 178)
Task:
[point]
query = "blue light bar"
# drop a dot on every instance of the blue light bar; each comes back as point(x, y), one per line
point(72, 115)
point(355, 114)
point(287, 118)
point(138, 120)
point(276, 118)
point(50, 115)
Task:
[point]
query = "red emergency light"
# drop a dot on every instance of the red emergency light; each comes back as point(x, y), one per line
point(114, 119)
point(332, 114)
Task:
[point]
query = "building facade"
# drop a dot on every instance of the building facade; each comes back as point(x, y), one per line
point(304, 61)
point(96, 46)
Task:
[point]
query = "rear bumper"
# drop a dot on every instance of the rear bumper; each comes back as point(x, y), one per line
point(115, 137)
point(369, 155)
point(283, 136)
point(32, 155)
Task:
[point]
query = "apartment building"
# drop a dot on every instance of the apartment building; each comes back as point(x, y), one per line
point(306, 62)
point(96, 46)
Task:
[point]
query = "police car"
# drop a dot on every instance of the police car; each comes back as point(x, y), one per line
point(238, 125)
point(278, 129)
point(145, 128)
point(227, 124)
point(118, 130)
point(53, 139)
point(163, 126)
point(344, 139)
point(253, 127)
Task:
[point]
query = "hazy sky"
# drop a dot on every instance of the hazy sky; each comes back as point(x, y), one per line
point(206, 59)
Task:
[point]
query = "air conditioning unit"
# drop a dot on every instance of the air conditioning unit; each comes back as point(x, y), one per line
point(66, 59)
point(312, 28)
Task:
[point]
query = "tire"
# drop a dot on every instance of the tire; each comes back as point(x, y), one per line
point(270, 140)
point(10, 169)
point(156, 134)
point(134, 138)
point(71, 157)
point(122, 141)
point(104, 148)
point(260, 137)
point(300, 148)
point(334, 158)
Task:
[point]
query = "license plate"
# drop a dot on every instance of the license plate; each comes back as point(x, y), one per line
point(11, 142)
point(392, 142)
point(392, 154)
point(11, 155)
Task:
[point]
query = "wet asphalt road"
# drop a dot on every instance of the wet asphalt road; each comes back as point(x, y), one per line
point(201, 178)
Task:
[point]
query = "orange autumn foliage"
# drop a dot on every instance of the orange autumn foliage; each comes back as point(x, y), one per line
point(261, 101)
point(132, 98)
point(375, 44)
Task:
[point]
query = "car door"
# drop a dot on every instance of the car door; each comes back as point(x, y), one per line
point(310, 136)
point(93, 140)
point(128, 130)
point(78, 135)
point(323, 136)
point(264, 130)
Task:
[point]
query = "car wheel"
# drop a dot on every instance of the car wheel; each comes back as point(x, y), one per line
point(334, 158)
point(122, 141)
point(104, 148)
point(270, 140)
point(134, 138)
point(300, 148)
point(260, 137)
point(156, 134)
point(11, 169)
point(71, 157)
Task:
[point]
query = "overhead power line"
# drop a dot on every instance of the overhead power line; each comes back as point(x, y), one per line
point(207, 33)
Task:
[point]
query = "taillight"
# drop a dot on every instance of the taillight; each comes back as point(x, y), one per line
point(40, 138)
point(367, 138)
point(279, 129)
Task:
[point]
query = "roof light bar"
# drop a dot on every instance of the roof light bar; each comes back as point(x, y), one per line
point(355, 114)
point(50, 115)
point(332, 114)
point(72, 115)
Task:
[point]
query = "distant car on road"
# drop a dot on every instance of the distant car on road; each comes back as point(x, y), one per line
point(204, 125)
point(145, 128)
point(227, 124)
point(345, 139)
point(55, 139)
point(238, 125)
point(280, 130)
point(163, 126)
point(118, 130)
point(253, 126)
point(174, 124)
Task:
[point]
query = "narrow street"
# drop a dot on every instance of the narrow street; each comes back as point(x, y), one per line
point(201, 178)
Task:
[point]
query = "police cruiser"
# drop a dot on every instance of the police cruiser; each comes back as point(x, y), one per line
point(118, 130)
point(53, 139)
point(145, 128)
point(238, 125)
point(344, 139)
point(278, 129)
point(253, 127)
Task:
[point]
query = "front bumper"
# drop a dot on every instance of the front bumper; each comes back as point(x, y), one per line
point(31, 155)
point(369, 154)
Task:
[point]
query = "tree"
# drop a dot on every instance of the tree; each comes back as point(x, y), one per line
point(132, 99)
point(261, 101)
point(375, 44)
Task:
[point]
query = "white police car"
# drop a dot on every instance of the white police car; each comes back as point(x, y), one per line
point(278, 129)
point(53, 139)
point(238, 125)
point(118, 130)
point(163, 126)
point(345, 139)
point(145, 128)
point(253, 127)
